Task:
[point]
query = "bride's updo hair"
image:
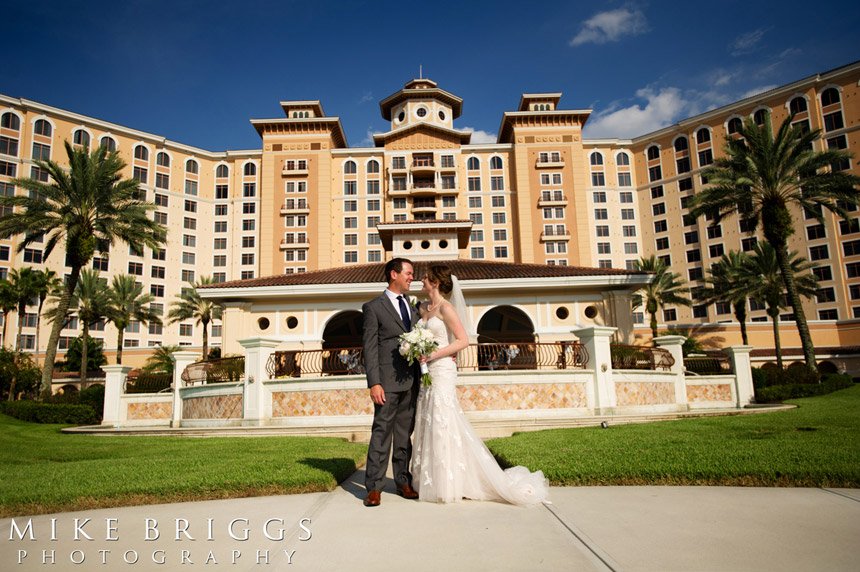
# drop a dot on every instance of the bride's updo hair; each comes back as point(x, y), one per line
point(442, 275)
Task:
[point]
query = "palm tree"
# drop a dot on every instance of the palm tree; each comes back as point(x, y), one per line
point(729, 281)
point(48, 284)
point(762, 176)
point(127, 302)
point(666, 287)
point(90, 299)
point(191, 306)
point(767, 286)
point(80, 206)
point(161, 360)
point(26, 288)
point(8, 302)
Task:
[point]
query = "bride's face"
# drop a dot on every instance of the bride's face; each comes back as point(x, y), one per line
point(427, 285)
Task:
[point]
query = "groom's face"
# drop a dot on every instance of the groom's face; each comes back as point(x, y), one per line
point(402, 280)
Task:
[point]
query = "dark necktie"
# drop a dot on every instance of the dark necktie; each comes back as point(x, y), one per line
point(404, 313)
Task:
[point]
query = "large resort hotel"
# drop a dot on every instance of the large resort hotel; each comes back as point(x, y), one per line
point(543, 227)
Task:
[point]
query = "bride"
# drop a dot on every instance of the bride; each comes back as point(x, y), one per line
point(449, 460)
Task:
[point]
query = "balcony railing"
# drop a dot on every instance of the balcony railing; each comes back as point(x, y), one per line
point(222, 370)
point(708, 365)
point(636, 357)
point(476, 357)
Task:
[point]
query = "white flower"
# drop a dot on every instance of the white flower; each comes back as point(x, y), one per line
point(413, 301)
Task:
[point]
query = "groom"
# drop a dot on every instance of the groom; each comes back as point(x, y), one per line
point(392, 381)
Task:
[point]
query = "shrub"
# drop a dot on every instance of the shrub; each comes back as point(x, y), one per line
point(94, 396)
point(95, 354)
point(779, 393)
point(50, 412)
point(27, 375)
point(770, 377)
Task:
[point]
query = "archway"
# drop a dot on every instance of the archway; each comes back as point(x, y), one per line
point(506, 338)
point(343, 330)
point(827, 367)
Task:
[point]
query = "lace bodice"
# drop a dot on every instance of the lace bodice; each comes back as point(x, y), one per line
point(439, 330)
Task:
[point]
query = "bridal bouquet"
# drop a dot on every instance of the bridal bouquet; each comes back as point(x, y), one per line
point(419, 342)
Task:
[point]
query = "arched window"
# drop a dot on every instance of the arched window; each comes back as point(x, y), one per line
point(653, 152)
point(373, 166)
point(797, 105)
point(703, 135)
point(622, 159)
point(108, 142)
point(681, 144)
point(734, 125)
point(162, 159)
point(81, 137)
point(222, 172)
point(596, 158)
point(760, 116)
point(829, 96)
point(191, 166)
point(496, 163)
point(473, 164)
point(42, 127)
point(141, 152)
point(250, 170)
point(349, 167)
point(10, 121)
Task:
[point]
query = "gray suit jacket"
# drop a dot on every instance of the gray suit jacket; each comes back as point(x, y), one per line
point(383, 362)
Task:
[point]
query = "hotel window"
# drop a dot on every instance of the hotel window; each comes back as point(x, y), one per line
point(140, 175)
point(599, 197)
point(372, 187)
point(401, 217)
point(157, 272)
point(398, 183)
point(81, 137)
point(658, 209)
point(372, 221)
point(350, 222)
point(350, 206)
point(250, 170)
point(660, 226)
point(220, 226)
point(497, 202)
point(852, 270)
point(716, 250)
point(188, 240)
point(476, 218)
point(688, 220)
point(497, 183)
point(160, 254)
point(474, 183)
point(839, 142)
point(831, 314)
point(249, 208)
point(373, 166)
point(628, 230)
point(797, 105)
point(681, 144)
point(398, 162)
point(626, 197)
point(823, 273)
point(691, 237)
point(186, 330)
point(249, 224)
point(851, 226)
point(601, 214)
point(544, 179)
point(249, 190)
point(500, 235)
point(8, 146)
point(374, 256)
point(191, 166)
point(448, 182)
point(220, 244)
point(715, 231)
point(685, 201)
point(760, 116)
point(624, 180)
point(815, 232)
point(41, 152)
point(350, 256)
point(602, 230)
point(373, 205)
point(477, 252)
point(247, 258)
point(162, 159)
point(653, 153)
point(825, 295)
point(622, 159)
point(657, 192)
point(373, 239)
point(141, 153)
point(703, 136)
point(669, 315)
point(248, 242)
point(496, 163)
point(473, 164)
point(734, 125)
point(42, 127)
point(628, 214)
point(596, 158)
point(685, 184)
point(220, 210)
point(399, 203)
point(451, 202)
point(477, 236)
point(222, 172)
point(830, 96)
point(190, 223)
point(662, 243)
point(447, 161)
point(350, 187)
point(655, 173)
point(683, 165)
point(706, 157)
point(694, 255)
point(99, 263)
point(500, 251)
point(695, 274)
point(247, 274)
point(190, 206)
point(631, 248)
point(157, 290)
point(220, 191)
point(598, 180)
point(748, 244)
point(604, 248)
point(135, 268)
point(350, 240)
point(162, 181)
point(10, 121)
point(499, 218)
point(603, 263)
point(821, 252)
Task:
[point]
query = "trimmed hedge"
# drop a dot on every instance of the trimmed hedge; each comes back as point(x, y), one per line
point(778, 393)
point(50, 412)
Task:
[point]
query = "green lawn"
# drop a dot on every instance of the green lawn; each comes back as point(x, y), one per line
point(817, 444)
point(43, 470)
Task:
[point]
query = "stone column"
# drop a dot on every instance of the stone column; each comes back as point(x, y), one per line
point(740, 356)
point(181, 360)
point(673, 345)
point(619, 314)
point(257, 404)
point(601, 392)
point(115, 376)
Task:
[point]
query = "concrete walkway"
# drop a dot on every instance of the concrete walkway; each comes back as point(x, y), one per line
point(585, 528)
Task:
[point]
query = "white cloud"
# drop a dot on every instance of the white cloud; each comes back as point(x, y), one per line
point(746, 43)
point(368, 138)
point(660, 109)
point(479, 136)
point(758, 90)
point(611, 26)
point(368, 96)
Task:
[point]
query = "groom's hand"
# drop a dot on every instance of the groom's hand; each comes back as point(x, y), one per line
point(377, 394)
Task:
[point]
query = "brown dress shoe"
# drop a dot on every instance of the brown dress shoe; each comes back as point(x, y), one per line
point(373, 498)
point(407, 492)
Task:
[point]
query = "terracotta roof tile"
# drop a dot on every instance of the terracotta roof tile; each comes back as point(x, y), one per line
point(463, 269)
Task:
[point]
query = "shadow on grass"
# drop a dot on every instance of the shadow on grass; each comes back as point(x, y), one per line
point(339, 468)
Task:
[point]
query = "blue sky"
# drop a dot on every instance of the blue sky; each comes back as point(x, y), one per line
point(196, 72)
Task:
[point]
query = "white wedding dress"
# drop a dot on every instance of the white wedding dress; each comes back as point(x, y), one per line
point(449, 460)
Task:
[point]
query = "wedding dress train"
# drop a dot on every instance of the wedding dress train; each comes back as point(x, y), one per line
point(449, 460)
